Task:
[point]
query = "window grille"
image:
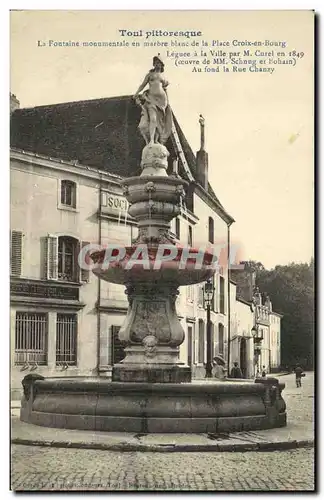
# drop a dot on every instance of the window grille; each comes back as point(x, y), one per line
point(31, 338)
point(16, 253)
point(66, 339)
point(68, 193)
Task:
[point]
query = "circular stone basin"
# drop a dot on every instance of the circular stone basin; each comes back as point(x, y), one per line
point(101, 405)
point(179, 270)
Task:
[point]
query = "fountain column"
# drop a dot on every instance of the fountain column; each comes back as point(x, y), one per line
point(152, 332)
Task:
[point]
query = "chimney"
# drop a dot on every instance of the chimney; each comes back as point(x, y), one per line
point(14, 103)
point(202, 157)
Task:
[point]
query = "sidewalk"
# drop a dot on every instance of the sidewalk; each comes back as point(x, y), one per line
point(295, 435)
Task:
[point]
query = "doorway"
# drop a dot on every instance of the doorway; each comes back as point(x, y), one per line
point(118, 352)
point(190, 360)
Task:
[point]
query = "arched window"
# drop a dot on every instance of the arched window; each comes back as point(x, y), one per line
point(67, 258)
point(210, 230)
point(221, 339)
point(68, 193)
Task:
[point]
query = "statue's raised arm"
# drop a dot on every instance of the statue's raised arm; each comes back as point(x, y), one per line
point(156, 120)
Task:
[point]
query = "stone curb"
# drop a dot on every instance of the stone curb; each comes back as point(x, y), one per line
point(242, 447)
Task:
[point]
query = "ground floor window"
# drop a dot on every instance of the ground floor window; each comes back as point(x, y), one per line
point(66, 339)
point(31, 338)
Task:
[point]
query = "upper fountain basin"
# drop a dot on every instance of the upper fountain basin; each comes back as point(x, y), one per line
point(157, 188)
point(151, 269)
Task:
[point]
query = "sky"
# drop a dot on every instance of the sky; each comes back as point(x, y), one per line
point(259, 126)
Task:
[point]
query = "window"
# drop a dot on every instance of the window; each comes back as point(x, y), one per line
point(190, 236)
point(201, 342)
point(190, 293)
point(201, 301)
point(210, 230)
point(67, 258)
point(31, 338)
point(190, 357)
point(212, 338)
point(61, 259)
point(213, 300)
point(221, 295)
point(221, 339)
point(177, 228)
point(66, 339)
point(16, 253)
point(68, 193)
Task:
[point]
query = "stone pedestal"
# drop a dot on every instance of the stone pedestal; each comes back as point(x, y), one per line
point(154, 373)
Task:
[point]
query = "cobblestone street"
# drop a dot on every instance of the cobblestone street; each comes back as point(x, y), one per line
point(40, 468)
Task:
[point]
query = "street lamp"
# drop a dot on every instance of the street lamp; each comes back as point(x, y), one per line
point(208, 297)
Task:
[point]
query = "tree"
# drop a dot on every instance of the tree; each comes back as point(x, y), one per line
point(253, 265)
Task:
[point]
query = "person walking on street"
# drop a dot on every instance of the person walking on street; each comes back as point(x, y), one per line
point(236, 371)
point(299, 373)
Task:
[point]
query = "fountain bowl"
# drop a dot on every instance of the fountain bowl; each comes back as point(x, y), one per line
point(174, 271)
point(100, 405)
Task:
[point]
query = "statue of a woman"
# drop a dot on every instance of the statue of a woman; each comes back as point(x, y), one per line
point(156, 121)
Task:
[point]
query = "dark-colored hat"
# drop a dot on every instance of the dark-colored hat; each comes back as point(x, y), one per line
point(158, 59)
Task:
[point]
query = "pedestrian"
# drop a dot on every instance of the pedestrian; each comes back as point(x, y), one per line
point(264, 373)
point(299, 374)
point(220, 371)
point(236, 371)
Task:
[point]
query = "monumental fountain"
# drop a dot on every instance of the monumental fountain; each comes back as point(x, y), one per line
point(151, 389)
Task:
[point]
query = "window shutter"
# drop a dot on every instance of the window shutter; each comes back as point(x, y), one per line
point(84, 273)
point(51, 257)
point(16, 253)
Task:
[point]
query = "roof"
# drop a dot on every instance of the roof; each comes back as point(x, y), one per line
point(101, 133)
point(276, 314)
point(246, 302)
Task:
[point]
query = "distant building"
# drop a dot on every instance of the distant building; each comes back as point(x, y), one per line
point(261, 341)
